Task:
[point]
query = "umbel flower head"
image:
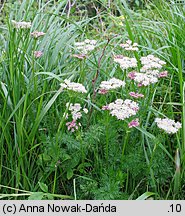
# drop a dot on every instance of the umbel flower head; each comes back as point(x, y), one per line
point(38, 54)
point(125, 62)
point(151, 62)
point(144, 79)
point(168, 125)
point(133, 123)
point(75, 110)
point(80, 56)
point(149, 72)
point(129, 46)
point(85, 46)
point(136, 95)
point(76, 87)
point(123, 109)
point(37, 34)
point(72, 126)
point(111, 84)
point(21, 25)
point(76, 113)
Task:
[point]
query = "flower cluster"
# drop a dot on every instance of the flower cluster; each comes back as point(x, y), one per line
point(163, 74)
point(38, 54)
point(133, 123)
point(123, 109)
point(80, 56)
point(85, 46)
point(37, 34)
point(72, 125)
point(129, 46)
point(150, 71)
point(168, 125)
point(76, 113)
point(21, 25)
point(77, 87)
point(136, 95)
point(105, 107)
point(144, 79)
point(75, 110)
point(111, 84)
point(125, 62)
point(103, 91)
point(151, 62)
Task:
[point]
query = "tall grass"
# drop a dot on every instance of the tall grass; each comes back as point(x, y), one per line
point(25, 94)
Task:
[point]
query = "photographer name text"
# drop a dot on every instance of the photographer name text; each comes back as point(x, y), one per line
point(52, 208)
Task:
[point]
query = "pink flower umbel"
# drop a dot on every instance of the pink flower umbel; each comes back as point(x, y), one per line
point(80, 56)
point(132, 75)
point(140, 85)
point(134, 123)
point(163, 74)
point(136, 95)
point(106, 107)
point(38, 54)
point(72, 126)
point(103, 91)
point(37, 34)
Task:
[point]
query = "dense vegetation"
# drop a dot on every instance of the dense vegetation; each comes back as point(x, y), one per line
point(51, 149)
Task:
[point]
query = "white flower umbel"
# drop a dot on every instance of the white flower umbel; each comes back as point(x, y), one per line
point(151, 62)
point(129, 46)
point(85, 46)
point(123, 109)
point(125, 62)
point(76, 107)
point(145, 79)
point(75, 110)
point(76, 113)
point(37, 34)
point(77, 87)
point(168, 125)
point(150, 72)
point(92, 42)
point(21, 25)
point(111, 84)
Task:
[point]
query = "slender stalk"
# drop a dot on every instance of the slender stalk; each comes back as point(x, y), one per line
point(95, 79)
point(55, 180)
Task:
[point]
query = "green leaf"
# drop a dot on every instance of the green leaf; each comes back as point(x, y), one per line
point(5, 91)
point(43, 187)
point(69, 174)
point(51, 75)
point(36, 196)
point(145, 195)
point(15, 110)
point(177, 177)
point(43, 113)
point(49, 196)
point(146, 133)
